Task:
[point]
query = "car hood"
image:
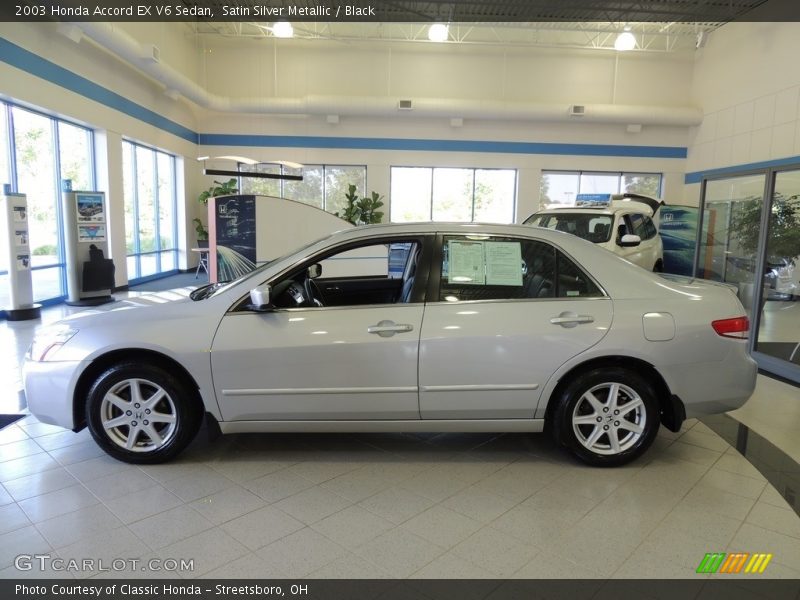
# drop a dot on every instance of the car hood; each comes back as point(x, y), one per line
point(169, 301)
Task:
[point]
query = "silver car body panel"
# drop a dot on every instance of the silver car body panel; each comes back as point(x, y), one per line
point(323, 371)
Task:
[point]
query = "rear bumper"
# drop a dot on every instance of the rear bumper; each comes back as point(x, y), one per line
point(713, 387)
point(50, 389)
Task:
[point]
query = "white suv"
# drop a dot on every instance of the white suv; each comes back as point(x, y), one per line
point(621, 223)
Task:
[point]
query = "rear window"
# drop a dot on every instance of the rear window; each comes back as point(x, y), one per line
point(594, 228)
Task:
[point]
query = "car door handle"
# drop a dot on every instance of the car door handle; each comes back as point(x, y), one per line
point(389, 328)
point(568, 319)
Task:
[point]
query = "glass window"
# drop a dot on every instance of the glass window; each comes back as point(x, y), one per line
point(562, 187)
point(447, 194)
point(75, 148)
point(337, 183)
point(599, 183)
point(573, 282)
point(310, 190)
point(411, 194)
point(558, 188)
point(5, 173)
point(5, 177)
point(452, 195)
point(353, 276)
point(647, 184)
point(34, 159)
point(263, 187)
point(496, 269)
point(779, 328)
point(323, 186)
point(150, 208)
point(729, 236)
point(495, 190)
point(595, 228)
point(636, 225)
point(35, 163)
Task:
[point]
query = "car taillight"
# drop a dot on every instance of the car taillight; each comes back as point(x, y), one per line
point(737, 327)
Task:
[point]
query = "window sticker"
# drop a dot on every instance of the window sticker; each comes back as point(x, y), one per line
point(467, 264)
point(503, 263)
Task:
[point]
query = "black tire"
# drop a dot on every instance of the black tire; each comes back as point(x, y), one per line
point(658, 267)
point(115, 390)
point(574, 403)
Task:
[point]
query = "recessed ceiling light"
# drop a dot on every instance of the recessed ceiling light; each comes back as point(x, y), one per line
point(282, 29)
point(438, 32)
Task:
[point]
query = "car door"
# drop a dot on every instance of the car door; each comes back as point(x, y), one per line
point(298, 361)
point(505, 314)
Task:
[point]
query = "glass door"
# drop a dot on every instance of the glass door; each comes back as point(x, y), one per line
point(729, 233)
point(778, 332)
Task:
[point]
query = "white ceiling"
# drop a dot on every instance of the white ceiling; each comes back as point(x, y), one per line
point(651, 37)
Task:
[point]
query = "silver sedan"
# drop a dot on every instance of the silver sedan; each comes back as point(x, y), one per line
point(417, 327)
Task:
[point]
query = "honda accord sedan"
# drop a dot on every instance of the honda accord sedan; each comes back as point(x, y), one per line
point(484, 328)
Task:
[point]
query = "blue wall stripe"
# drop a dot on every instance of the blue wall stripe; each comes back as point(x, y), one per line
point(358, 143)
point(697, 176)
point(25, 60)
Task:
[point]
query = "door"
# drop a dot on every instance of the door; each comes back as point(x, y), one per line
point(507, 313)
point(303, 361)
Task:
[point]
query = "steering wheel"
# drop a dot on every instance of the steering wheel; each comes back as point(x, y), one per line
point(313, 294)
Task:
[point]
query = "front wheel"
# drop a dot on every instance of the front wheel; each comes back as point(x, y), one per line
point(606, 417)
point(140, 413)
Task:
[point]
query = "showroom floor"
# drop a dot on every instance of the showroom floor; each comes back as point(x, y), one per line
point(389, 505)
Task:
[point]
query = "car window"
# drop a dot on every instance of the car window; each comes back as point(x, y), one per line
point(649, 228)
point(500, 268)
point(595, 228)
point(573, 282)
point(637, 224)
point(372, 272)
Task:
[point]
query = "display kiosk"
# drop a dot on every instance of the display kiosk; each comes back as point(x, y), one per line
point(15, 249)
point(90, 274)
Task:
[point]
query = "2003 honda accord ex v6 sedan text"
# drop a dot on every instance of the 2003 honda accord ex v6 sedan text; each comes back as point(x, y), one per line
point(413, 327)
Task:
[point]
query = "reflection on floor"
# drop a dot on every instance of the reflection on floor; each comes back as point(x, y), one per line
point(396, 505)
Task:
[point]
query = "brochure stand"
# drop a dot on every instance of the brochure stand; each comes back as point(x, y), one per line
point(15, 248)
point(90, 275)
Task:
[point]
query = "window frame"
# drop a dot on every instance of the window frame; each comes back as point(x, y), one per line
point(284, 170)
point(157, 251)
point(579, 173)
point(474, 171)
point(6, 108)
point(435, 272)
point(421, 278)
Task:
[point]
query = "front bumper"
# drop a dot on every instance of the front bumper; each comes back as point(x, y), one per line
point(50, 389)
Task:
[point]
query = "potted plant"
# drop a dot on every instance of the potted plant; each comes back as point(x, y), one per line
point(361, 211)
point(218, 189)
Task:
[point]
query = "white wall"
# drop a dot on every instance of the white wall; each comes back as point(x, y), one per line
point(290, 68)
point(747, 82)
point(98, 66)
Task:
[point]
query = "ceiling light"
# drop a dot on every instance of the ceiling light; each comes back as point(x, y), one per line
point(625, 41)
point(283, 29)
point(438, 32)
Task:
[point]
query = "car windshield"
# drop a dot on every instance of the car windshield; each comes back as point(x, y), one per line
point(595, 228)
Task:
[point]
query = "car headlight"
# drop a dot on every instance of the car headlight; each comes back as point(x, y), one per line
point(48, 340)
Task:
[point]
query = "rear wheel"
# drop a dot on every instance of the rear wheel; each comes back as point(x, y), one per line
point(606, 417)
point(140, 413)
point(658, 267)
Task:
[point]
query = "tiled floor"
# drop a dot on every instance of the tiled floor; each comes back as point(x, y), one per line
point(385, 505)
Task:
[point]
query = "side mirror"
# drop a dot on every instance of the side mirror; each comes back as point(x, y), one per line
point(259, 298)
point(314, 271)
point(629, 240)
